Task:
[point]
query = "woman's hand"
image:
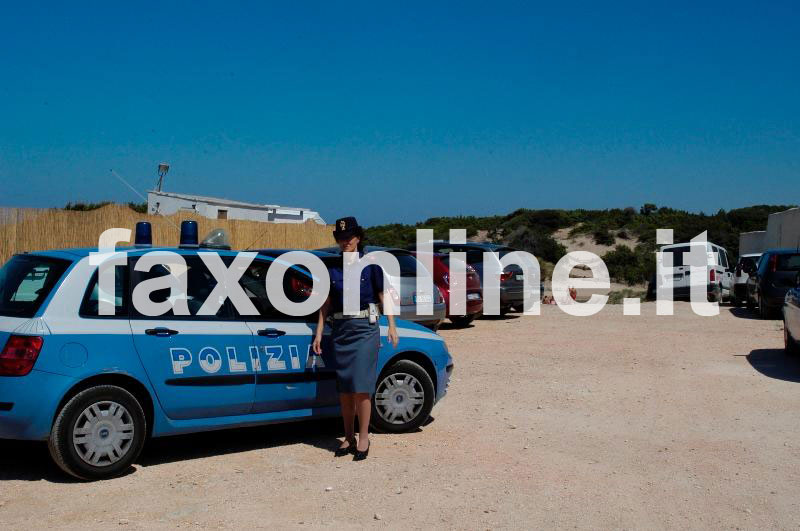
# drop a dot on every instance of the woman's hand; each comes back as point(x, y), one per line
point(316, 346)
point(392, 336)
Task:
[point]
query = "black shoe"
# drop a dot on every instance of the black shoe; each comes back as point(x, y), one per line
point(341, 452)
point(359, 455)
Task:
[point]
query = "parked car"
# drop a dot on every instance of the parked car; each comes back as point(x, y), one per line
point(444, 281)
point(408, 288)
point(718, 275)
point(773, 277)
point(511, 283)
point(97, 386)
point(745, 266)
point(791, 318)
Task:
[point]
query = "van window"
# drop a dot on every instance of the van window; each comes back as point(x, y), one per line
point(677, 255)
point(26, 281)
point(723, 258)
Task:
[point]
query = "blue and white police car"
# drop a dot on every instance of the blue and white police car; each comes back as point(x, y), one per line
point(97, 386)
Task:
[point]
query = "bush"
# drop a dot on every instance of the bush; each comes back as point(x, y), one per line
point(542, 246)
point(85, 207)
point(617, 297)
point(140, 208)
point(629, 266)
point(602, 236)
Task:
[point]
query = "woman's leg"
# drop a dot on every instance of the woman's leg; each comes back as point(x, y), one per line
point(363, 408)
point(347, 402)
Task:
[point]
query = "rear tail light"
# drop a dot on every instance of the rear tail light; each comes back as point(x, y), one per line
point(773, 263)
point(19, 355)
point(505, 276)
point(712, 275)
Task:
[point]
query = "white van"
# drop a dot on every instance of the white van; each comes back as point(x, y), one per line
point(719, 273)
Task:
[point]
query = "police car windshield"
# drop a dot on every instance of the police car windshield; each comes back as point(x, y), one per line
point(26, 281)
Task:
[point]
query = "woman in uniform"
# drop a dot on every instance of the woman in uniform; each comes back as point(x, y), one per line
point(355, 340)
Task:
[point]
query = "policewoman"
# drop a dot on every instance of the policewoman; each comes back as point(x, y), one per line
point(355, 339)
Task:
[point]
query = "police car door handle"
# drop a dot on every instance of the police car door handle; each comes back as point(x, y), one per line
point(271, 332)
point(160, 332)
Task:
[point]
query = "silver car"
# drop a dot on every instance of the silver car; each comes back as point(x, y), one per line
point(408, 287)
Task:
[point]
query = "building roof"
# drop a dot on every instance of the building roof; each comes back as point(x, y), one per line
point(222, 201)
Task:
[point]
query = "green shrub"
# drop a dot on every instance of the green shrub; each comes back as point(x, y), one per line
point(628, 265)
point(85, 207)
point(617, 297)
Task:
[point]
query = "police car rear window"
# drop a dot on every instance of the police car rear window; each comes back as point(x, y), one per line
point(26, 281)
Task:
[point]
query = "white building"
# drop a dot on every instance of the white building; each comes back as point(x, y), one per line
point(783, 230)
point(215, 208)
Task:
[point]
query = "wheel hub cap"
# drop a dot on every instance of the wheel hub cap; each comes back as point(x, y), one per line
point(103, 433)
point(399, 398)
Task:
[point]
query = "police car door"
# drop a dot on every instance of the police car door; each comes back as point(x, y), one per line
point(198, 365)
point(287, 376)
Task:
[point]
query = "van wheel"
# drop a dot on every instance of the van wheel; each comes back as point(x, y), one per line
point(98, 433)
point(789, 344)
point(403, 399)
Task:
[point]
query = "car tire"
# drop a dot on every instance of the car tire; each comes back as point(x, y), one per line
point(462, 321)
point(763, 311)
point(790, 345)
point(98, 433)
point(715, 296)
point(403, 398)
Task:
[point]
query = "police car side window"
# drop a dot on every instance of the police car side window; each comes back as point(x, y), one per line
point(295, 286)
point(199, 285)
point(90, 307)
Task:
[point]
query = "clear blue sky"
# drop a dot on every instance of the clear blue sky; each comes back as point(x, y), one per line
point(399, 114)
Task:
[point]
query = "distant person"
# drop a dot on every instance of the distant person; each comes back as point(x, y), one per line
point(355, 340)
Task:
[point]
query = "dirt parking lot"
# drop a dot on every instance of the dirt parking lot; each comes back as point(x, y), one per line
point(551, 421)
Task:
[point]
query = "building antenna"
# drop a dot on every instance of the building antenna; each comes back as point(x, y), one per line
point(135, 191)
point(163, 168)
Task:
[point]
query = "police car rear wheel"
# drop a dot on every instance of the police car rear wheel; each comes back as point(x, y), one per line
point(98, 433)
point(403, 398)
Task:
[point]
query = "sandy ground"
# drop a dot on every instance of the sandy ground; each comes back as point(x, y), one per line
point(551, 421)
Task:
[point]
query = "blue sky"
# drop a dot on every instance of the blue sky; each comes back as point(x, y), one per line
point(398, 114)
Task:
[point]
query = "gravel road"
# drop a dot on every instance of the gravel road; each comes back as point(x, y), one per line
point(550, 421)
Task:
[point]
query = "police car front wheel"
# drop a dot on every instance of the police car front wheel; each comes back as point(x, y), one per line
point(98, 433)
point(403, 399)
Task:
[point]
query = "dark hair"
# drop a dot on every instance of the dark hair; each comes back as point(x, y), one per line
point(361, 237)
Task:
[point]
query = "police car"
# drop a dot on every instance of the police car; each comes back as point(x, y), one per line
point(97, 386)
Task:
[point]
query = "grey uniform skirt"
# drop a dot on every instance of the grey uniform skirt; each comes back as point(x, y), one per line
point(355, 349)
